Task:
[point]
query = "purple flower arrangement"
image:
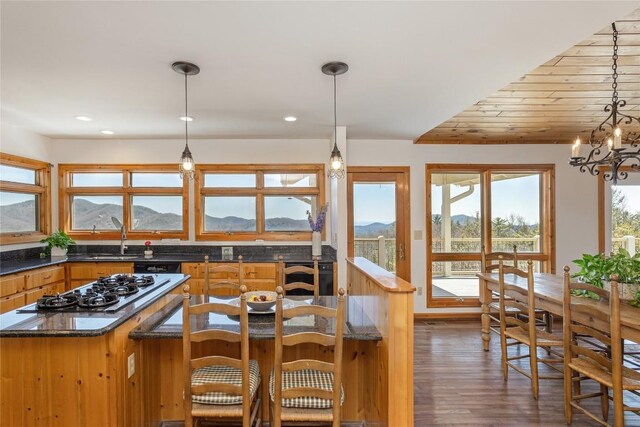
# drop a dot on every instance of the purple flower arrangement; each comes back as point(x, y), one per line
point(318, 225)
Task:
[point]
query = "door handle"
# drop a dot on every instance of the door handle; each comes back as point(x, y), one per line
point(401, 251)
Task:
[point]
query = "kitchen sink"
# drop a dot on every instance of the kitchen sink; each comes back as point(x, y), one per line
point(112, 257)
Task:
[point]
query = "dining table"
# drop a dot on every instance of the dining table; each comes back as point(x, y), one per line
point(548, 290)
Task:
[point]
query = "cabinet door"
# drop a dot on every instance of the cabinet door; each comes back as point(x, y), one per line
point(44, 276)
point(11, 284)
point(12, 302)
point(92, 270)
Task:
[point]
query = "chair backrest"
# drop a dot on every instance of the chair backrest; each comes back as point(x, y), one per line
point(219, 277)
point(489, 260)
point(299, 269)
point(318, 338)
point(189, 337)
point(607, 329)
point(517, 297)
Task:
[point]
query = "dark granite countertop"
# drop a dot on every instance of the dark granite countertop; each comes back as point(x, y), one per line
point(108, 253)
point(167, 323)
point(82, 324)
point(19, 265)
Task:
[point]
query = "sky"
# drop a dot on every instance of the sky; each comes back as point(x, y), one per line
point(374, 202)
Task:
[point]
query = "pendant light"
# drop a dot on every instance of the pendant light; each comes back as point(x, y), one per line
point(187, 164)
point(607, 141)
point(336, 162)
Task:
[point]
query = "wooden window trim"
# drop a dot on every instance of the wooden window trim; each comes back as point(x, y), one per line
point(66, 191)
point(42, 188)
point(260, 191)
point(547, 256)
point(602, 226)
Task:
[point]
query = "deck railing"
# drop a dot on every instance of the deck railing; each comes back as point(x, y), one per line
point(630, 243)
point(382, 251)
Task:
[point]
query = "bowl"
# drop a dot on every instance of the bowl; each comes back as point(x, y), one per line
point(261, 305)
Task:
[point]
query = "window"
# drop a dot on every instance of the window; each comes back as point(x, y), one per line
point(25, 199)
point(248, 202)
point(619, 213)
point(495, 206)
point(151, 201)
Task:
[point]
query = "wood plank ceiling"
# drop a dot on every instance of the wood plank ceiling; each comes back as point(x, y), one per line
point(557, 101)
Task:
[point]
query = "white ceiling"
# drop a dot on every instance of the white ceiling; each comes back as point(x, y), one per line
point(412, 64)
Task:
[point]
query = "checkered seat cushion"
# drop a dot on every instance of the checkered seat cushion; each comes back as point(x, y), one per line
point(306, 378)
point(224, 374)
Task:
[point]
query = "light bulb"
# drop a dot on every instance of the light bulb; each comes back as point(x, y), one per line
point(187, 165)
point(336, 164)
point(617, 132)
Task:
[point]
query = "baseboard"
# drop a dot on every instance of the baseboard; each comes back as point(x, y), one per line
point(447, 316)
point(180, 423)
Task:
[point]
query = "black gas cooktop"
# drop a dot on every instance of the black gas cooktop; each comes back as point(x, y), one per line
point(107, 294)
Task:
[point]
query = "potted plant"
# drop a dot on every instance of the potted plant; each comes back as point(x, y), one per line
point(597, 270)
point(148, 252)
point(58, 243)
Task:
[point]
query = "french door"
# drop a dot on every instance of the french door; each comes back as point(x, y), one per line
point(378, 217)
point(492, 206)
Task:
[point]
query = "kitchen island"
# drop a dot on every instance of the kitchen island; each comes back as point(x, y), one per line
point(377, 361)
point(74, 368)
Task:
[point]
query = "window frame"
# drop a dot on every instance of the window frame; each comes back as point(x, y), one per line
point(259, 191)
point(604, 205)
point(67, 191)
point(41, 188)
point(547, 254)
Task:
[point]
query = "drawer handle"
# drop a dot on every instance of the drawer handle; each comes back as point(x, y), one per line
point(100, 272)
point(48, 277)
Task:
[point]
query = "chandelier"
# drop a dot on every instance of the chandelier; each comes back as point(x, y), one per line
point(186, 165)
point(606, 142)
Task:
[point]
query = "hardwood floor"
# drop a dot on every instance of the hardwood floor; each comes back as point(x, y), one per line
point(458, 384)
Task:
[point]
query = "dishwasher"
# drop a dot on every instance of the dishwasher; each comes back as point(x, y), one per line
point(153, 267)
point(325, 273)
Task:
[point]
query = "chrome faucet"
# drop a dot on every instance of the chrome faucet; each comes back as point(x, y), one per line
point(123, 233)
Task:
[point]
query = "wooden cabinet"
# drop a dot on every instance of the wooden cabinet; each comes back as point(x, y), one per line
point(257, 276)
point(81, 273)
point(20, 289)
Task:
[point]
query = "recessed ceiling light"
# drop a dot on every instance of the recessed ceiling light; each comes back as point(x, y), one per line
point(107, 132)
point(84, 118)
point(186, 118)
point(290, 119)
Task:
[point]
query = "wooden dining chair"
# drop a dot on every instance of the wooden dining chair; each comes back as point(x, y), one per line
point(523, 332)
point(305, 391)
point(489, 264)
point(223, 279)
point(219, 387)
point(600, 320)
point(299, 269)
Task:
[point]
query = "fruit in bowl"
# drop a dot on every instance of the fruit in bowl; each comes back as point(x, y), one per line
point(261, 300)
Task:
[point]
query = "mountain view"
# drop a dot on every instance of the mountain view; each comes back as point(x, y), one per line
point(375, 229)
point(18, 217)
point(21, 217)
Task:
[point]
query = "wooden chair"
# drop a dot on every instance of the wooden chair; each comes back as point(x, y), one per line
point(219, 387)
point(299, 269)
point(583, 361)
point(489, 264)
point(225, 285)
point(523, 332)
point(304, 391)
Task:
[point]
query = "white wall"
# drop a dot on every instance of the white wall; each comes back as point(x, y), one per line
point(576, 193)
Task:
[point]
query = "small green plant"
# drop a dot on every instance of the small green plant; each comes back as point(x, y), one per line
point(598, 268)
point(58, 239)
